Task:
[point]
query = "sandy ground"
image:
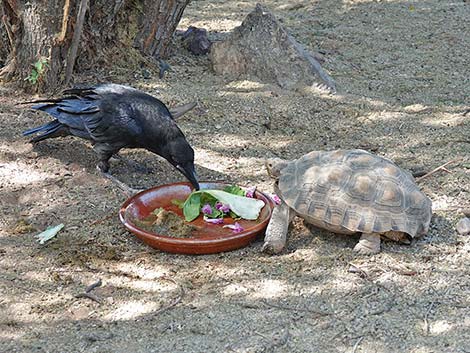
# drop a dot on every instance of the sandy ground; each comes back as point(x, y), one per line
point(402, 71)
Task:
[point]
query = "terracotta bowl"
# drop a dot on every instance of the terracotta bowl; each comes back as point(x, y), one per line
point(207, 238)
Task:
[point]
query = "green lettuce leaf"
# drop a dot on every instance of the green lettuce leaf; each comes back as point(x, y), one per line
point(192, 206)
point(235, 189)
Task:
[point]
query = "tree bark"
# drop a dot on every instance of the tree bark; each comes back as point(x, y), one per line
point(41, 31)
point(158, 24)
point(32, 28)
point(37, 36)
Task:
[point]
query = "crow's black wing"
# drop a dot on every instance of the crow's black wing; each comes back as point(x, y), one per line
point(70, 113)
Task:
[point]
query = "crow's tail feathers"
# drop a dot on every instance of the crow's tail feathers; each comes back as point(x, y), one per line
point(49, 130)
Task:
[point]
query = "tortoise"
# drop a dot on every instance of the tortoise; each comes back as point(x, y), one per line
point(347, 192)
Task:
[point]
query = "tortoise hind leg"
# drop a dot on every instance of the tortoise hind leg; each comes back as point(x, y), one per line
point(369, 244)
point(276, 233)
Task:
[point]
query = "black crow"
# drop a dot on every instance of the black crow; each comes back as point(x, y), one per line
point(113, 117)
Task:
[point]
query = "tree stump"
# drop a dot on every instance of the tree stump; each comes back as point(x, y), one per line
point(262, 47)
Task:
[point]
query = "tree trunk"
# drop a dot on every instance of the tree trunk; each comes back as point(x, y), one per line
point(40, 34)
point(158, 24)
point(4, 41)
point(35, 57)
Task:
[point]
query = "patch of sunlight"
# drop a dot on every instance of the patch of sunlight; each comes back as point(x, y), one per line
point(444, 202)
point(219, 163)
point(415, 108)
point(446, 120)
point(220, 24)
point(243, 87)
point(132, 310)
point(245, 84)
point(13, 334)
point(354, 3)
point(211, 160)
point(422, 350)
point(386, 116)
point(360, 101)
point(43, 276)
point(146, 273)
point(20, 174)
point(270, 288)
point(466, 321)
point(15, 148)
point(440, 326)
point(153, 87)
point(235, 289)
point(342, 286)
point(218, 158)
point(150, 285)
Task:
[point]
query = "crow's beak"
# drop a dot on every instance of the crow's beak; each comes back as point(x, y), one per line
point(189, 172)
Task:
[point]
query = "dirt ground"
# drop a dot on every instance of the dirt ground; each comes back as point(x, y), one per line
point(402, 72)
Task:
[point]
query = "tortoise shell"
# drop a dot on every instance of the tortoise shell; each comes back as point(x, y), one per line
point(348, 191)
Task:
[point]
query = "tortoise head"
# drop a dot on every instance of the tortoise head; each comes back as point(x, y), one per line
point(274, 166)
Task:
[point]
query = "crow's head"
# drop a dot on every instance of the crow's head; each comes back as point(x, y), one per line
point(181, 155)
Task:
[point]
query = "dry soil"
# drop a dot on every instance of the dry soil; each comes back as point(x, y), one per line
point(402, 72)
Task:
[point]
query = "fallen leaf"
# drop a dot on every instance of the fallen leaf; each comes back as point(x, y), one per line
point(49, 233)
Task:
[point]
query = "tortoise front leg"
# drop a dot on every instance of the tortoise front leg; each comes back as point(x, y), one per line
point(369, 244)
point(276, 232)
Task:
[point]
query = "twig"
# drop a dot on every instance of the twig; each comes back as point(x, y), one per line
point(441, 167)
point(356, 345)
point(89, 296)
point(426, 323)
point(93, 286)
point(357, 269)
point(75, 40)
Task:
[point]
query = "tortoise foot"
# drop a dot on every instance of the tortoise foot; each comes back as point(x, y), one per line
point(369, 244)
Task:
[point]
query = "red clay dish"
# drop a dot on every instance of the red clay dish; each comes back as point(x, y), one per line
point(207, 238)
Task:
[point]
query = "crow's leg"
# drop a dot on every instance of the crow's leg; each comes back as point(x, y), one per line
point(132, 164)
point(126, 189)
point(103, 166)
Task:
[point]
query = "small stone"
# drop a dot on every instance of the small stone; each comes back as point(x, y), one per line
point(196, 41)
point(463, 226)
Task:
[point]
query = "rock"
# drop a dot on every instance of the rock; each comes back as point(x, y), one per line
point(196, 41)
point(463, 226)
point(262, 47)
